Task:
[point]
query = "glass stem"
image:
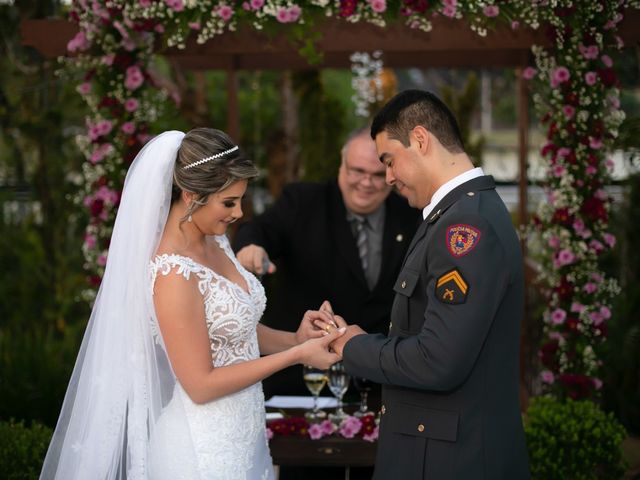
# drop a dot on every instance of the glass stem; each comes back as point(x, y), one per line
point(315, 404)
point(363, 401)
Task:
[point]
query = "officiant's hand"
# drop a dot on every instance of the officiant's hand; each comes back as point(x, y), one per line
point(338, 344)
point(316, 352)
point(255, 259)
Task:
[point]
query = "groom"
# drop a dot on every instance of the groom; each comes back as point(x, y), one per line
point(449, 366)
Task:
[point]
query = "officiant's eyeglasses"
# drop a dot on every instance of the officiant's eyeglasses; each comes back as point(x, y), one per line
point(357, 175)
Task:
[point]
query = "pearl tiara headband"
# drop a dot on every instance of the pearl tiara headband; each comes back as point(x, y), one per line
point(212, 157)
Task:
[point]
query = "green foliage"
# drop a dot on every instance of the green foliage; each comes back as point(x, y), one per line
point(321, 127)
point(573, 440)
point(464, 104)
point(622, 349)
point(22, 449)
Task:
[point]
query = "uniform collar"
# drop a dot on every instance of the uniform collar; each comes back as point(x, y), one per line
point(450, 186)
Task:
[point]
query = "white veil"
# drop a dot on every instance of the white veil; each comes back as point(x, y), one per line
point(122, 377)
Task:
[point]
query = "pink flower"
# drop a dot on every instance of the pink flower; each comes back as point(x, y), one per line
point(558, 316)
point(194, 25)
point(175, 5)
point(529, 73)
point(595, 143)
point(491, 10)
point(591, 78)
point(123, 31)
point(564, 152)
point(89, 240)
point(104, 127)
point(315, 431)
point(378, 6)
point(515, 25)
point(295, 11)
point(596, 277)
point(596, 318)
point(590, 287)
point(596, 246)
point(128, 127)
point(246, 7)
point(449, 11)
point(568, 111)
point(590, 52)
point(601, 194)
point(108, 59)
point(257, 4)
point(605, 312)
point(350, 427)
point(597, 383)
point(565, 257)
point(99, 153)
point(327, 427)
point(606, 59)
point(577, 307)
point(591, 170)
point(547, 377)
point(102, 260)
point(609, 239)
point(554, 241)
point(371, 437)
point(559, 171)
point(134, 77)
point(269, 433)
point(559, 75)
point(131, 104)
point(144, 3)
point(578, 226)
point(84, 88)
point(159, 28)
point(282, 15)
point(225, 12)
point(78, 43)
point(614, 101)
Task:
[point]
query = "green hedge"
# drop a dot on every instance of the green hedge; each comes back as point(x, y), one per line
point(573, 440)
point(22, 449)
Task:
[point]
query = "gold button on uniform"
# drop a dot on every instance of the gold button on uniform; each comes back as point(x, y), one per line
point(383, 409)
point(421, 428)
point(403, 284)
point(471, 194)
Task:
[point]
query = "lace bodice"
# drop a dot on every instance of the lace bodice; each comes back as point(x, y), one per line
point(231, 313)
point(226, 437)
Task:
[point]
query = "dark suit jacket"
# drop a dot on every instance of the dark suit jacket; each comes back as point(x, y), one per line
point(449, 366)
point(307, 234)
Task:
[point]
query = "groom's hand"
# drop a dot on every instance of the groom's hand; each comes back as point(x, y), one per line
point(338, 344)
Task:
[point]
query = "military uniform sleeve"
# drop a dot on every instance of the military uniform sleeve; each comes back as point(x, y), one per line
point(465, 284)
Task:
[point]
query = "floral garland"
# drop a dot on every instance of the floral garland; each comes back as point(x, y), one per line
point(578, 101)
point(365, 427)
point(576, 96)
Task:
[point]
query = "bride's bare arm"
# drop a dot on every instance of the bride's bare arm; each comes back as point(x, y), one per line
point(180, 311)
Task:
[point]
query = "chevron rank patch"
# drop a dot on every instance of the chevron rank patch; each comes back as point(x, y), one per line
point(452, 288)
point(461, 239)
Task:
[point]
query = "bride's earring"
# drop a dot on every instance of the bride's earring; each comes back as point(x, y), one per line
point(189, 219)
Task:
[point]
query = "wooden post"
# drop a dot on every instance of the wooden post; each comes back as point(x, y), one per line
point(233, 123)
point(523, 151)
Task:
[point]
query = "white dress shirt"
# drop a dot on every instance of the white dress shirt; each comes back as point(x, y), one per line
point(450, 185)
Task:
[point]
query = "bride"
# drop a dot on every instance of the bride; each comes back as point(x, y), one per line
point(167, 380)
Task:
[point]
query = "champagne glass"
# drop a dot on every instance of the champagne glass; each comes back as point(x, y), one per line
point(364, 387)
point(315, 379)
point(338, 384)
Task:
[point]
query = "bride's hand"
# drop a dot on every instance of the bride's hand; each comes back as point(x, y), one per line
point(316, 323)
point(316, 352)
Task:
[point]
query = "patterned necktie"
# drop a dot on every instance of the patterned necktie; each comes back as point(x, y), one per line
point(360, 232)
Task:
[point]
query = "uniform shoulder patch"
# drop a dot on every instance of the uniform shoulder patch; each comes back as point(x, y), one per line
point(461, 239)
point(452, 288)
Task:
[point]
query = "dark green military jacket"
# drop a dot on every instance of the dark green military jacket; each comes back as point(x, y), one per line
point(449, 367)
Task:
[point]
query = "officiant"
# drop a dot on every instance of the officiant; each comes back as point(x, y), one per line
point(341, 241)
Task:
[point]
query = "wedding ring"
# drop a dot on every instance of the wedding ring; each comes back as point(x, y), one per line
point(326, 327)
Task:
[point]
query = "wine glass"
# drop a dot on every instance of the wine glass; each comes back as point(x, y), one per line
point(338, 384)
point(364, 387)
point(315, 379)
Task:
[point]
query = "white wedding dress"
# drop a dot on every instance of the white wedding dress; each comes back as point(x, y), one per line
point(226, 438)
